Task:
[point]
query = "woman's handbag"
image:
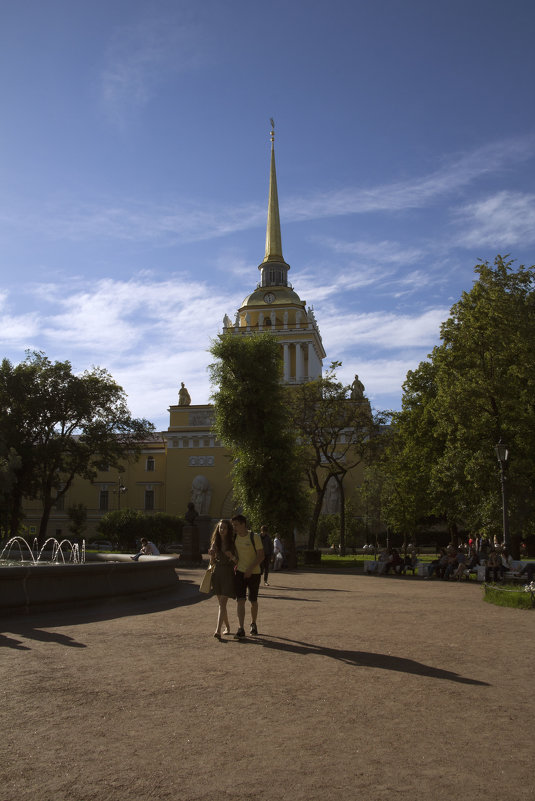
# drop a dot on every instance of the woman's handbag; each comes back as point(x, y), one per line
point(206, 583)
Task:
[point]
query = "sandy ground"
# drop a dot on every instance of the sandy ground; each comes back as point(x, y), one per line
point(357, 687)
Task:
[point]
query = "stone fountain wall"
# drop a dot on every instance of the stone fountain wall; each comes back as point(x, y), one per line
point(25, 589)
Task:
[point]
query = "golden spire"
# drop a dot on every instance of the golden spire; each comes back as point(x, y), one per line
point(273, 232)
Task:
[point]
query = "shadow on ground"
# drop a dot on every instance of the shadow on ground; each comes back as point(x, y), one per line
point(361, 659)
point(186, 593)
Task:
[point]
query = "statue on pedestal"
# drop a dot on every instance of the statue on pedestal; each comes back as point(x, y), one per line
point(191, 514)
point(357, 389)
point(201, 494)
point(183, 396)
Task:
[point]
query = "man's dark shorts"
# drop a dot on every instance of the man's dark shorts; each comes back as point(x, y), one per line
point(249, 585)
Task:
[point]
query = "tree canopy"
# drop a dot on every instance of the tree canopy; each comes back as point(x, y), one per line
point(337, 432)
point(252, 419)
point(476, 389)
point(61, 425)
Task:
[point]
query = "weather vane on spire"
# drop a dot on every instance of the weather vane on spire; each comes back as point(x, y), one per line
point(272, 121)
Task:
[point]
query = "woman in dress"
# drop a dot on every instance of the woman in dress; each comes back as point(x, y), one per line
point(223, 559)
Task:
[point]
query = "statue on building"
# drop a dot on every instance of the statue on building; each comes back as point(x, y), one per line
point(227, 322)
point(357, 390)
point(183, 396)
point(201, 494)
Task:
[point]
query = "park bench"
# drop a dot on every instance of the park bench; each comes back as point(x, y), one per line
point(509, 575)
point(421, 569)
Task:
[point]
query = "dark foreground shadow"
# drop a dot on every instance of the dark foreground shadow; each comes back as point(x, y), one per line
point(41, 636)
point(362, 659)
point(31, 626)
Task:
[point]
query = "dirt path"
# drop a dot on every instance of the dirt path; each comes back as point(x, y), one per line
point(358, 687)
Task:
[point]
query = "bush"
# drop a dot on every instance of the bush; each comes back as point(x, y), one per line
point(127, 526)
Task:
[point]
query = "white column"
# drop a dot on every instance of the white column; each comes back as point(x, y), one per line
point(286, 361)
point(299, 363)
point(310, 349)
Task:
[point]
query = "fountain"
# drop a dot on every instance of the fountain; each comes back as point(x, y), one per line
point(59, 573)
point(75, 555)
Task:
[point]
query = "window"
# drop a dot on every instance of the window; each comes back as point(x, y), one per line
point(150, 464)
point(103, 500)
point(149, 500)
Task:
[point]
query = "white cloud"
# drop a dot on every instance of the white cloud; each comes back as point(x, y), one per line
point(314, 283)
point(415, 193)
point(384, 252)
point(502, 220)
point(191, 220)
point(15, 329)
point(151, 335)
point(148, 334)
point(342, 332)
point(383, 377)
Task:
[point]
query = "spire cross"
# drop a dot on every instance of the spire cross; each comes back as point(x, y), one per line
point(272, 134)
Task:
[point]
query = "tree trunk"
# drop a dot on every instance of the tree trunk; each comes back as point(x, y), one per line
point(340, 483)
point(318, 503)
point(290, 553)
point(15, 515)
point(313, 527)
point(45, 517)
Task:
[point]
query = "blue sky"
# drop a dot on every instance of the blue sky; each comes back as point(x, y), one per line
point(134, 167)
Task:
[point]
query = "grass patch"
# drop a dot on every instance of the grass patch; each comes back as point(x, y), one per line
point(510, 595)
point(333, 560)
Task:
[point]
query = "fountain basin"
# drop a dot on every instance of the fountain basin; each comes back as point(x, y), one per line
point(28, 588)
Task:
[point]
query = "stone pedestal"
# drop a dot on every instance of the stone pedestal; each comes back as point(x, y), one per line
point(190, 544)
point(205, 526)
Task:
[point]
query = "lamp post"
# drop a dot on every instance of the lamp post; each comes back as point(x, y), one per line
point(502, 454)
point(120, 490)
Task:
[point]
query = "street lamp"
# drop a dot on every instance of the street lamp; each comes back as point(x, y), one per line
point(120, 490)
point(502, 454)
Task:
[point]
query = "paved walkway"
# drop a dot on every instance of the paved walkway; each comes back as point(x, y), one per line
point(357, 687)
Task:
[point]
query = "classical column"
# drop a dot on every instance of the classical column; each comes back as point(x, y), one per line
point(310, 348)
point(286, 361)
point(299, 363)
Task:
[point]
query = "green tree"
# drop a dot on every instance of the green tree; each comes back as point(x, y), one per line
point(337, 433)
point(62, 425)
point(10, 463)
point(78, 517)
point(123, 527)
point(253, 421)
point(477, 389)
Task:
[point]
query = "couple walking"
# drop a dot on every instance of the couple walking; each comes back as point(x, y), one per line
point(235, 555)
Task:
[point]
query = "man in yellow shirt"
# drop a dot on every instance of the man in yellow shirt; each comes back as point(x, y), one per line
point(250, 555)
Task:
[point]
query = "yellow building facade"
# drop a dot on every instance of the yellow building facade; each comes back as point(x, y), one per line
point(186, 462)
